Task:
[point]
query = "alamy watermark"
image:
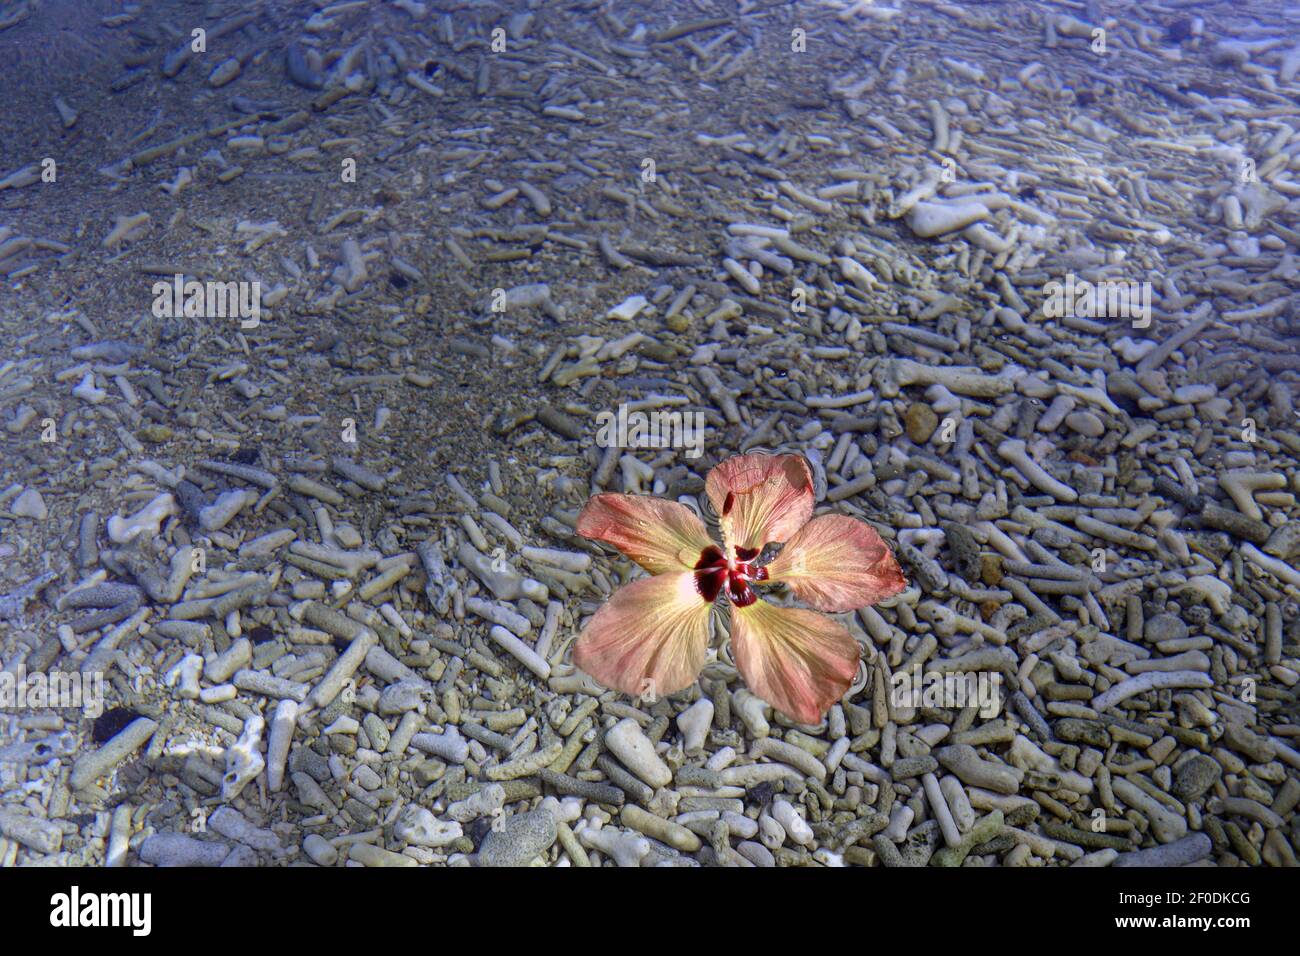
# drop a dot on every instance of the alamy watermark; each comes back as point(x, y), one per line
point(654, 429)
point(208, 300)
point(20, 690)
point(955, 689)
point(133, 911)
point(1080, 298)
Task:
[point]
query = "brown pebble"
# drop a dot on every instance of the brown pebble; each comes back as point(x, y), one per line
point(920, 422)
point(991, 569)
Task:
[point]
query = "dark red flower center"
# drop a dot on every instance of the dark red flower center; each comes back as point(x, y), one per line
point(715, 571)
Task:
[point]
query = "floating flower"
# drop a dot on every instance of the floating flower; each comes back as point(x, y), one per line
point(653, 634)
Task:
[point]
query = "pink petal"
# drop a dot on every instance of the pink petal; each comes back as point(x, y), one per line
point(837, 563)
point(761, 498)
point(797, 660)
point(651, 636)
point(659, 535)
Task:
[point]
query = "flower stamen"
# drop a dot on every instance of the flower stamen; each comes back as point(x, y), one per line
point(715, 572)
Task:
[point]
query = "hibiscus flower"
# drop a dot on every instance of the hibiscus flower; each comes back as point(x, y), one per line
point(654, 632)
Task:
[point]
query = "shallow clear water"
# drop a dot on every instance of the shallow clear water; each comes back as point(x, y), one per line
point(321, 327)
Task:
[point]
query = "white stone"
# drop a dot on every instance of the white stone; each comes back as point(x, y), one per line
point(622, 846)
point(721, 759)
point(243, 760)
point(181, 849)
point(219, 694)
point(1085, 423)
point(217, 515)
point(694, 723)
point(223, 666)
point(184, 676)
point(347, 536)
point(419, 826)
point(343, 725)
point(626, 741)
point(229, 822)
point(147, 521)
point(941, 400)
point(87, 391)
point(482, 804)
point(795, 826)
point(629, 308)
point(567, 810)
point(320, 850)
point(1192, 394)
point(770, 833)
point(899, 820)
point(30, 504)
point(1131, 350)
point(1217, 593)
point(752, 713)
point(277, 747)
point(929, 219)
point(856, 273)
point(739, 825)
